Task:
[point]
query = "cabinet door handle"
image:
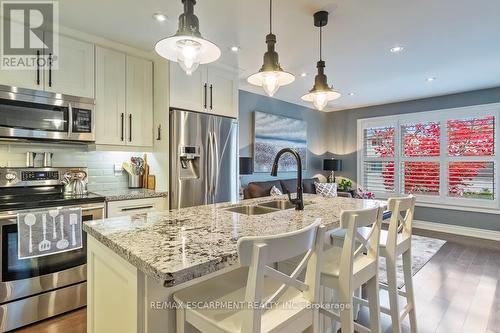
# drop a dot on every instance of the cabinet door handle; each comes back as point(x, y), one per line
point(158, 137)
point(130, 128)
point(50, 69)
point(37, 67)
point(211, 97)
point(205, 97)
point(136, 208)
point(122, 137)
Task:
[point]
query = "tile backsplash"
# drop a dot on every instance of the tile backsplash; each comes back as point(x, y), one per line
point(100, 163)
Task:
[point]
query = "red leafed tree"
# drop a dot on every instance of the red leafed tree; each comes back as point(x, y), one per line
point(466, 137)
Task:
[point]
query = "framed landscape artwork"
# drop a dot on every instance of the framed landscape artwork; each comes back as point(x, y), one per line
point(273, 133)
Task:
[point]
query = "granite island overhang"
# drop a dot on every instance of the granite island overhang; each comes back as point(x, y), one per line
point(144, 258)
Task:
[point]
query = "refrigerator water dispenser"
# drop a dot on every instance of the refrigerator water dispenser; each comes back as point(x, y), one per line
point(189, 159)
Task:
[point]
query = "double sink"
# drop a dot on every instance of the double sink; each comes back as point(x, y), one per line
point(263, 207)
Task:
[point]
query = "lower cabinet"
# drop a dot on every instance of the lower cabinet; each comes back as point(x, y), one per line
point(129, 207)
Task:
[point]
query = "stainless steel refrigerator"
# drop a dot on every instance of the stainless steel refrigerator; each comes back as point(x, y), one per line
point(203, 159)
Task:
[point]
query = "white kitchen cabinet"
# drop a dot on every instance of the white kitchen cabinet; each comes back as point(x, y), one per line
point(124, 99)
point(23, 78)
point(110, 96)
point(209, 89)
point(139, 103)
point(129, 207)
point(223, 92)
point(189, 92)
point(74, 74)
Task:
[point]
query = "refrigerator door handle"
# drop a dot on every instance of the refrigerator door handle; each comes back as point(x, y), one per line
point(210, 160)
point(216, 173)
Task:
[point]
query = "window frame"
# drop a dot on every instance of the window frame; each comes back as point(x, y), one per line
point(440, 116)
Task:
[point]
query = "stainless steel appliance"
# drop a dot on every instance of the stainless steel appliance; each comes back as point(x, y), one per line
point(34, 114)
point(203, 162)
point(36, 289)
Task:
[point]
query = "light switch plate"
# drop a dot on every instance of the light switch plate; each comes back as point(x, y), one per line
point(118, 170)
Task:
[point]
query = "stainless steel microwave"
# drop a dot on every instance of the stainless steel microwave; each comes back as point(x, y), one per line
point(34, 114)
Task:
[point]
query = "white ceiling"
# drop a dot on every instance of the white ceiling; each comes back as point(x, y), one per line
point(454, 41)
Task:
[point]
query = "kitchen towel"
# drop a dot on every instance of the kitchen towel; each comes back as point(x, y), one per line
point(47, 232)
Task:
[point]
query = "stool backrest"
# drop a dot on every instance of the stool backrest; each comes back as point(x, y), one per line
point(400, 226)
point(259, 252)
point(357, 245)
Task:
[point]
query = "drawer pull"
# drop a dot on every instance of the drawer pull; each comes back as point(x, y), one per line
point(136, 208)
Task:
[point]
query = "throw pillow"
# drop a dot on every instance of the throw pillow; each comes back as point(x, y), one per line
point(327, 190)
point(275, 191)
point(361, 193)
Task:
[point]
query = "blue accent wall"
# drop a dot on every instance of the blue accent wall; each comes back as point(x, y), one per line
point(316, 131)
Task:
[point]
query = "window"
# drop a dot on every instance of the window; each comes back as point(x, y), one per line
point(445, 156)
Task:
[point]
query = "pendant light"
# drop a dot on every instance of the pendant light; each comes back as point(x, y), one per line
point(187, 47)
point(271, 76)
point(321, 93)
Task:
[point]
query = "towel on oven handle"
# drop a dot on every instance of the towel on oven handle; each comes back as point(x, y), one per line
point(45, 232)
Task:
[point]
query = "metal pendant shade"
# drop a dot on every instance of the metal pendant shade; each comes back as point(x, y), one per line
point(321, 93)
point(271, 76)
point(187, 46)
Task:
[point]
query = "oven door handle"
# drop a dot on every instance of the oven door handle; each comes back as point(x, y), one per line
point(14, 216)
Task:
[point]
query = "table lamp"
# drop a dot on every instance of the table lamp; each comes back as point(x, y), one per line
point(332, 165)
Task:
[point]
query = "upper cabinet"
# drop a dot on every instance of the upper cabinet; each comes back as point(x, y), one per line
point(209, 89)
point(74, 74)
point(139, 102)
point(124, 99)
point(110, 96)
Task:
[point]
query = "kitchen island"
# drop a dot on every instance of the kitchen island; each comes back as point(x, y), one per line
point(135, 263)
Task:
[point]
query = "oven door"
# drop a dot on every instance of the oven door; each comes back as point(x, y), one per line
point(22, 278)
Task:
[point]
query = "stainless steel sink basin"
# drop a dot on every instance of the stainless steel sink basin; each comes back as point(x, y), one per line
point(251, 210)
point(280, 204)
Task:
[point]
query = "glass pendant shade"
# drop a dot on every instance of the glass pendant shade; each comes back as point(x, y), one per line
point(271, 76)
point(321, 93)
point(187, 47)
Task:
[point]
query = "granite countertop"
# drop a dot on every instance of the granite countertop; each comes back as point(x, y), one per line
point(180, 245)
point(131, 194)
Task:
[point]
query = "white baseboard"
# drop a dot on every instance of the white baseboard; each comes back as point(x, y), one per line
point(458, 230)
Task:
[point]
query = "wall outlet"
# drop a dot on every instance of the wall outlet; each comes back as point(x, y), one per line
point(118, 170)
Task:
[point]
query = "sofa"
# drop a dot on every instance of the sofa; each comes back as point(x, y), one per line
point(262, 189)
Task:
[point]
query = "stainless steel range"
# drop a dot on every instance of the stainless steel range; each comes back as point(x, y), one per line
point(36, 289)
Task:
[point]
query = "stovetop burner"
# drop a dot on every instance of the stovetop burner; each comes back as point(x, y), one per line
point(31, 188)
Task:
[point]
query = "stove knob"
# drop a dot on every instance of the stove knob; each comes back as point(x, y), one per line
point(10, 176)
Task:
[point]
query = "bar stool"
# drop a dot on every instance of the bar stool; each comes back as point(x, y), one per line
point(395, 242)
point(355, 264)
point(261, 292)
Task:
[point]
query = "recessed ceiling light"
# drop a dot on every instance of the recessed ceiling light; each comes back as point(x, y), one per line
point(430, 79)
point(397, 49)
point(235, 48)
point(160, 17)
point(351, 94)
point(303, 74)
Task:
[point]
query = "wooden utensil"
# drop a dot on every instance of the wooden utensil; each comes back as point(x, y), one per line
point(151, 182)
point(146, 172)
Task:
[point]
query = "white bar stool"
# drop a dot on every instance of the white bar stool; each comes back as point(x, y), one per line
point(256, 288)
point(395, 242)
point(348, 268)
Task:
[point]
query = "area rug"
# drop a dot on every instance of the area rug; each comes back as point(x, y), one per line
point(423, 249)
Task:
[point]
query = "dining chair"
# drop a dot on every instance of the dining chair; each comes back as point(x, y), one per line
point(355, 264)
point(255, 297)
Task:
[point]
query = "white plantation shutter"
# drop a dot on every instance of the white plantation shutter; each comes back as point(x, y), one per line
point(444, 156)
point(378, 159)
point(471, 150)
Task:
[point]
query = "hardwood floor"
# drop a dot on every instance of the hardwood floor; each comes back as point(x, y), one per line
point(458, 290)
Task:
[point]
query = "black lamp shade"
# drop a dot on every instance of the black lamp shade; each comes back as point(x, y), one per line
point(246, 166)
point(332, 165)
